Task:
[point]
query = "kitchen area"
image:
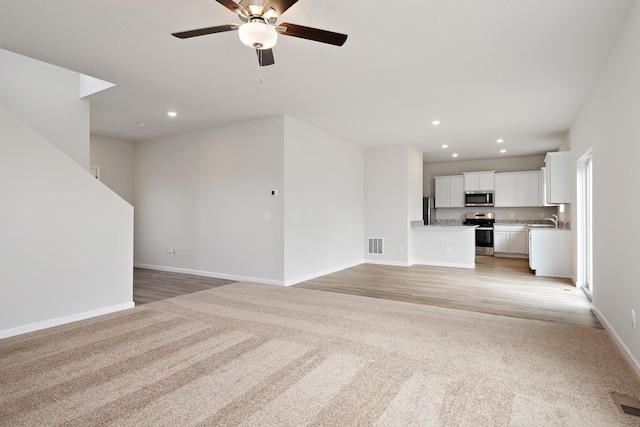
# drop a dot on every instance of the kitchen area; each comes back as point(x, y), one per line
point(517, 214)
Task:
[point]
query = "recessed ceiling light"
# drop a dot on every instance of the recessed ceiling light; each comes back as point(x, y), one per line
point(141, 124)
point(172, 114)
point(445, 146)
point(500, 140)
point(454, 155)
point(503, 151)
point(435, 122)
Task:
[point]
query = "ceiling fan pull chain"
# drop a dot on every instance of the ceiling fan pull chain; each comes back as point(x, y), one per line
point(259, 87)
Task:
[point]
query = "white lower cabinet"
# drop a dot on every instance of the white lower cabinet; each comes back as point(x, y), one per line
point(550, 252)
point(510, 240)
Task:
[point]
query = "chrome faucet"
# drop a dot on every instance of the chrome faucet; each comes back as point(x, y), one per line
point(554, 220)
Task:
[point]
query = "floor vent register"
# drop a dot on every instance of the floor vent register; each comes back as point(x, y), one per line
point(627, 404)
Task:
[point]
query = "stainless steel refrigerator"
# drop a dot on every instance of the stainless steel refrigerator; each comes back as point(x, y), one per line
point(429, 210)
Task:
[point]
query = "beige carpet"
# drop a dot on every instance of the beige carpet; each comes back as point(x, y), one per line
point(259, 355)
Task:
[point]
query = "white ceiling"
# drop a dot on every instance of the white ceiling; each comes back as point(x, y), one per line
point(513, 69)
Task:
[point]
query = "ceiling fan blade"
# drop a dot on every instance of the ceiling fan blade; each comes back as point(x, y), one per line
point(314, 34)
point(265, 57)
point(280, 6)
point(232, 6)
point(205, 31)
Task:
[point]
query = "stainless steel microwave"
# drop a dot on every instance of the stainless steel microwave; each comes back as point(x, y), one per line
point(478, 198)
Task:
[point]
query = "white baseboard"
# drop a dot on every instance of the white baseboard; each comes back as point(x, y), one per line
point(635, 364)
point(210, 274)
point(321, 273)
point(6, 333)
point(392, 263)
point(446, 264)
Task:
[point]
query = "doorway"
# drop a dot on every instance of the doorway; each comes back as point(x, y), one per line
point(585, 222)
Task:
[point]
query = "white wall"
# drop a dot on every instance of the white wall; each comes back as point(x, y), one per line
point(67, 240)
point(510, 164)
point(47, 98)
point(390, 201)
point(323, 202)
point(414, 193)
point(608, 123)
point(115, 158)
point(206, 194)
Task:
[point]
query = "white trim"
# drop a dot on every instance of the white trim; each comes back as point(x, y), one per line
point(635, 364)
point(6, 333)
point(445, 264)
point(210, 274)
point(322, 273)
point(392, 263)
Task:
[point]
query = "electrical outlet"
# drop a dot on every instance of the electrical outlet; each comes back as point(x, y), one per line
point(448, 249)
point(633, 318)
point(400, 249)
point(512, 215)
point(172, 251)
point(542, 215)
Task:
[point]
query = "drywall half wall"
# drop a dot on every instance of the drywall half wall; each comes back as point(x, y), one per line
point(207, 196)
point(391, 201)
point(608, 124)
point(323, 202)
point(47, 98)
point(115, 159)
point(67, 240)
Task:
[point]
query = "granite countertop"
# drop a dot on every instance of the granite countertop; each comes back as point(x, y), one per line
point(449, 226)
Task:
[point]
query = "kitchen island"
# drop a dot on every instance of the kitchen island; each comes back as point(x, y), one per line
point(444, 245)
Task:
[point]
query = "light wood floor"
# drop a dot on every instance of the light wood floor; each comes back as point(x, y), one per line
point(153, 285)
point(502, 286)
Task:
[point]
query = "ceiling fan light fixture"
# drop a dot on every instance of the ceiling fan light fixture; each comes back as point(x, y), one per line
point(258, 35)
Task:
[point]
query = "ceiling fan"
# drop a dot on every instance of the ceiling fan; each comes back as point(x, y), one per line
point(259, 30)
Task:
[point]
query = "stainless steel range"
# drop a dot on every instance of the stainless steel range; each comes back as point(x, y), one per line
point(484, 231)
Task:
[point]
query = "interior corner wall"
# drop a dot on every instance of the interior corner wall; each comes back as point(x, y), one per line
point(414, 185)
point(323, 202)
point(47, 98)
point(115, 158)
point(67, 240)
point(608, 124)
point(207, 195)
point(386, 203)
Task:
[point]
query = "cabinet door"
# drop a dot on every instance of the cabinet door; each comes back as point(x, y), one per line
point(442, 192)
point(558, 177)
point(501, 241)
point(527, 189)
point(471, 182)
point(456, 191)
point(505, 194)
point(518, 242)
point(486, 181)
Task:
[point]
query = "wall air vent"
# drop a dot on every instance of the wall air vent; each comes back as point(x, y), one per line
point(376, 245)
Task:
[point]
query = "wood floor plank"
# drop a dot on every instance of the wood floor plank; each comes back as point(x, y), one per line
point(154, 285)
point(501, 286)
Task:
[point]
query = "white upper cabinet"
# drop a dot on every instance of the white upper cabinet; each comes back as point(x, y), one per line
point(479, 181)
point(449, 191)
point(557, 177)
point(517, 189)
